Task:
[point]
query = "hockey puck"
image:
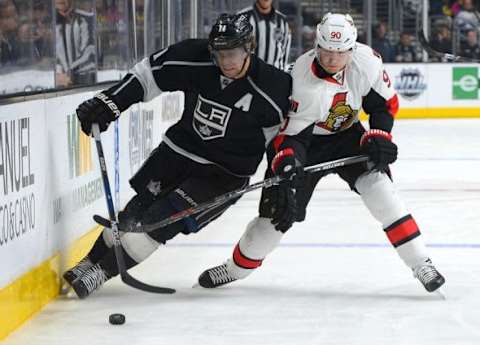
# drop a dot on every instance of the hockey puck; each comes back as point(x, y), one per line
point(116, 319)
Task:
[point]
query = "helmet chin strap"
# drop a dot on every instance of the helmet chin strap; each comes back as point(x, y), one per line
point(243, 65)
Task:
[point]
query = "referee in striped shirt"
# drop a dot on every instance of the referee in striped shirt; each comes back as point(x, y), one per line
point(271, 31)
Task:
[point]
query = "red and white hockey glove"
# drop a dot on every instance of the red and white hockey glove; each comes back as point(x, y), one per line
point(378, 145)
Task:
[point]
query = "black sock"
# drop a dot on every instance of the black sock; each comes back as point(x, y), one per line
point(109, 262)
point(99, 249)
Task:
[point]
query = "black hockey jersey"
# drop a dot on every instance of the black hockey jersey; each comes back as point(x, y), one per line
point(224, 122)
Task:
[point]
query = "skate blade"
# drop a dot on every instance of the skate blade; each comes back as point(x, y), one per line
point(67, 292)
point(441, 292)
point(65, 288)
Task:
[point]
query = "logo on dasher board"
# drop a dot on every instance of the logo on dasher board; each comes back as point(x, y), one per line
point(140, 137)
point(79, 149)
point(210, 119)
point(410, 83)
point(466, 83)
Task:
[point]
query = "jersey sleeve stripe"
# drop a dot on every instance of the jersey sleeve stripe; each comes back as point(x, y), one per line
point(182, 63)
point(143, 72)
point(269, 100)
point(393, 105)
point(128, 81)
point(160, 53)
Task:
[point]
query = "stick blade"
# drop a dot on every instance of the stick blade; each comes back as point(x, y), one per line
point(129, 280)
point(102, 221)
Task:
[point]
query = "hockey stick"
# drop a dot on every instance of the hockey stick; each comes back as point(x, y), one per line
point(443, 56)
point(219, 200)
point(117, 246)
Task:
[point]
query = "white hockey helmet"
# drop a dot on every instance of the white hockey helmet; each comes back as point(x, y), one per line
point(336, 32)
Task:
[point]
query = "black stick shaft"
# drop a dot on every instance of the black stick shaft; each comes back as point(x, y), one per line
point(219, 200)
point(117, 247)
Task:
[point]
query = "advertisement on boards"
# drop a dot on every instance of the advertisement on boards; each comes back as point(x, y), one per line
point(77, 189)
point(22, 187)
point(466, 83)
point(410, 83)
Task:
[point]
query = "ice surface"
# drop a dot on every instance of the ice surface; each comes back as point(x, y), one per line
point(334, 279)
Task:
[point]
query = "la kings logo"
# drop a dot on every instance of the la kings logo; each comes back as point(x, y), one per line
point(210, 119)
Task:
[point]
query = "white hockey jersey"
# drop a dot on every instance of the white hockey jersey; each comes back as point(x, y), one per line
point(333, 102)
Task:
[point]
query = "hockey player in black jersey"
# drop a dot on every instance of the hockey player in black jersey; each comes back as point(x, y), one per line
point(331, 83)
point(234, 103)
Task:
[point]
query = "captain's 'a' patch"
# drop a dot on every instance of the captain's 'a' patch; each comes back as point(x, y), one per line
point(244, 102)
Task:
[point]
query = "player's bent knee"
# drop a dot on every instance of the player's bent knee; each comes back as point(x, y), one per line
point(138, 246)
point(162, 209)
point(108, 236)
point(380, 196)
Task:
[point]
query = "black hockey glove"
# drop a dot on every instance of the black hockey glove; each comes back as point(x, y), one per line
point(378, 145)
point(286, 165)
point(100, 109)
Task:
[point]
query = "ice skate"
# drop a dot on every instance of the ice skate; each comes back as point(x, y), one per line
point(215, 277)
point(428, 275)
point(90, 281)
point(77, 271)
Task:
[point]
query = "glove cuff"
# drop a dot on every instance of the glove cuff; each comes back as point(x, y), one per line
point(374, 133)
point(280, 156)
point(109, 103)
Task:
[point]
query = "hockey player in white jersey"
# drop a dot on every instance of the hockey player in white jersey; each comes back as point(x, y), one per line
point(331, 84)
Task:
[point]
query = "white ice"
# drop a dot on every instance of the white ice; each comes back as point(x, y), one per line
point(334, 279)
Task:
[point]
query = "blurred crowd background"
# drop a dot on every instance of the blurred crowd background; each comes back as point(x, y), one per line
point(48, 44)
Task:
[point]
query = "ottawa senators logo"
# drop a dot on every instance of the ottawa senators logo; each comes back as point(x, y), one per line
point(341, 115)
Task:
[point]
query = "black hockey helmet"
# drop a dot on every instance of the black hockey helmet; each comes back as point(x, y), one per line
point(231, 31)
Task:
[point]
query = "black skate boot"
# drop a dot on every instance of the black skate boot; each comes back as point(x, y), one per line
point(90, 281)
point(428, 275)
point(215, 277)
point(77, 271)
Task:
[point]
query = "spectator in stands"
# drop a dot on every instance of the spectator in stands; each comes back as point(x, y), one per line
point(8, 32)
point(442, 39)
point(470, 47)
point(468, 18)
point(27, 52)
point(75, 48)
point(436, 7)
point(308, 37)
point(405, 51)
point(455, 7)
point(42, 28)
point(381, 44)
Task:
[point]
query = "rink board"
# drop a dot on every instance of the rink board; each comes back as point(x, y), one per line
point(51, 186)
point(65, 169)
